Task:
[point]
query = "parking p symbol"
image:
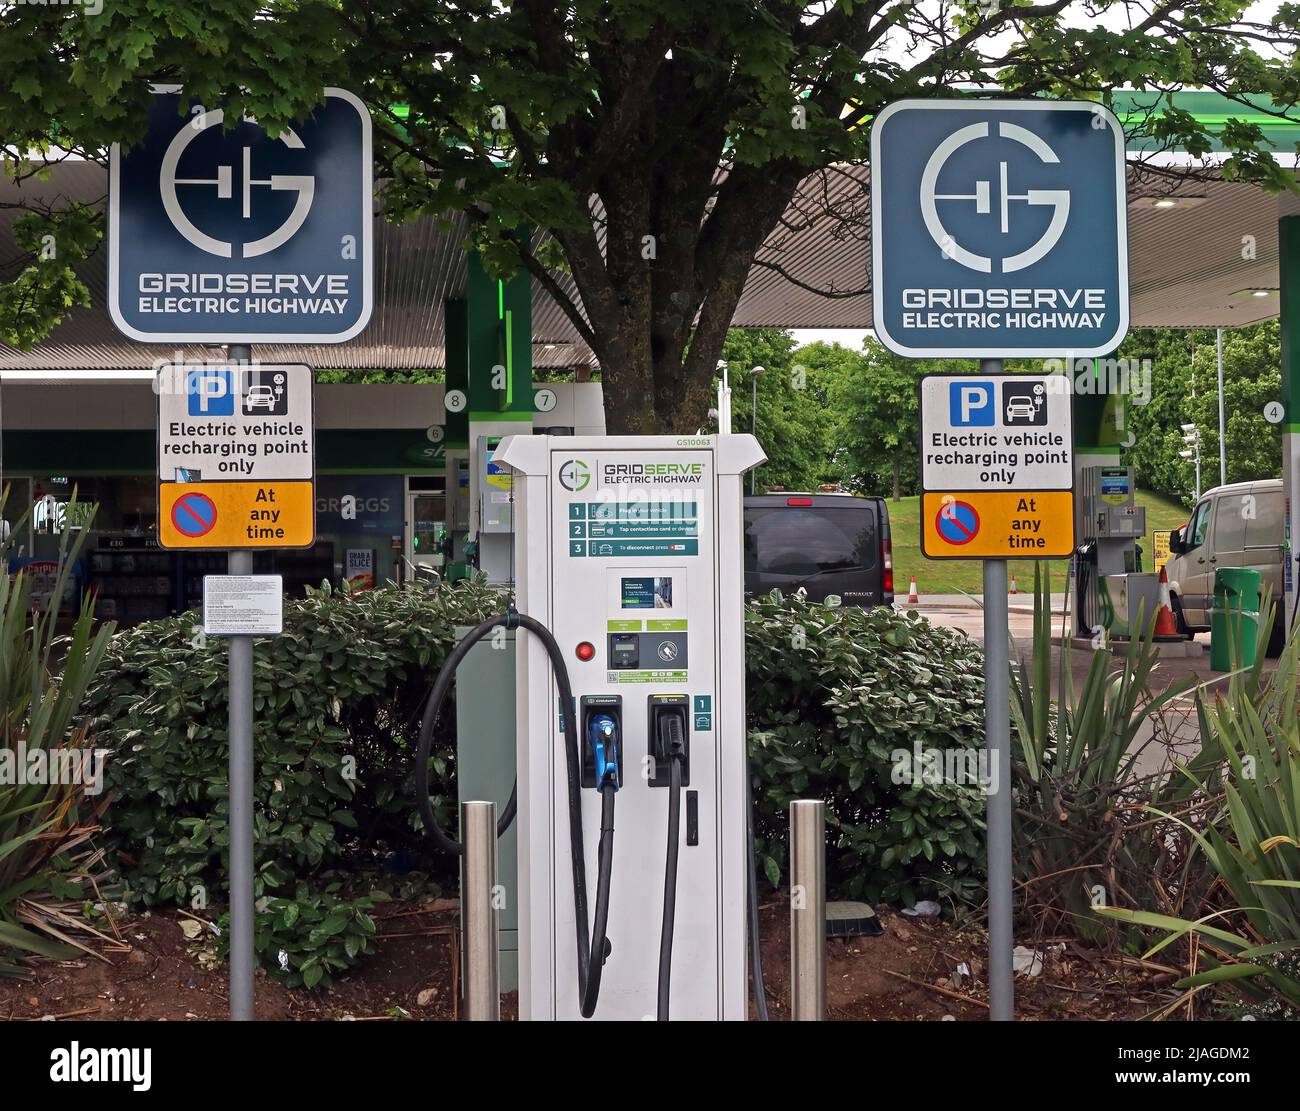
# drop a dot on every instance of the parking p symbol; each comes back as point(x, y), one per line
point(210, 393)
point(970, 404)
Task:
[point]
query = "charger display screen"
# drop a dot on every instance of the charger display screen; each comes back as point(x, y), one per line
point(647, 592)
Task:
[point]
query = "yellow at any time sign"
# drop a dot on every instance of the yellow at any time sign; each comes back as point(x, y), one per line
point(997, 525)
point(997, 466)
point(236, 514)
point(236, 456)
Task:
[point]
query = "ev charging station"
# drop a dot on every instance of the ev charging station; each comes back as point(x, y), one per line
point(629, 703)
point(629, 550)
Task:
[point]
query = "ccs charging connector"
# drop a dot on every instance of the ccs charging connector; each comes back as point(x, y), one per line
point(602, 735)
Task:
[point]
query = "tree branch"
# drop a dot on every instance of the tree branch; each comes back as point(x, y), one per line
point(832, 293)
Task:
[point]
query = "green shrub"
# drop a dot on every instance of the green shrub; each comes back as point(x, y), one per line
point(307, 936)
point(835, 696)
point(336, 702)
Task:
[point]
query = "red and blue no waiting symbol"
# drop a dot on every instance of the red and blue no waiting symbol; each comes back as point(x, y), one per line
point(957, 522)
point(194, 514)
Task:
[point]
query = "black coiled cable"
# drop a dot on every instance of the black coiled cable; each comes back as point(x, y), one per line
point(593, 947)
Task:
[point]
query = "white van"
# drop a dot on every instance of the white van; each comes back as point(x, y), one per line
point(1239, 525)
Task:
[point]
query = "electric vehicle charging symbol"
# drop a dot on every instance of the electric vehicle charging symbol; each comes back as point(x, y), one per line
point(303, 185)
point(957, 522)
point(1057, 199)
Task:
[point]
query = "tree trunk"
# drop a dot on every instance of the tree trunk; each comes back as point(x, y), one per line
point(662, 288)
point(898, 495)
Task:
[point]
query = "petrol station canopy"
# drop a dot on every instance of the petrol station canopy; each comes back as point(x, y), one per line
point(1203, 252)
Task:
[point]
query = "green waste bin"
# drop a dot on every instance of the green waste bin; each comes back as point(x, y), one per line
point(1234, 624)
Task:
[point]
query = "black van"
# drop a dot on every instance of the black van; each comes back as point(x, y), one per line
point(825, 543)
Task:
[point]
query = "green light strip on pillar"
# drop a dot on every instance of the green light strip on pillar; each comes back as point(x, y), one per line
point(510, 362)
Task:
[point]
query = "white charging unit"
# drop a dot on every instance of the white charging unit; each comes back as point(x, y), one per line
point(630, 550)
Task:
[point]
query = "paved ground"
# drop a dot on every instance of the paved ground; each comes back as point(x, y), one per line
point(1178, 729)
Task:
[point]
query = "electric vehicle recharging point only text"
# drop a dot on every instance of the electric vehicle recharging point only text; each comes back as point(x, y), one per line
point(629, 550)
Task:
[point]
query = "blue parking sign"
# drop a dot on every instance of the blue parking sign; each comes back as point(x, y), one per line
point(970, 404)
point(999, 229)
point(210, 393)
point(220, 234)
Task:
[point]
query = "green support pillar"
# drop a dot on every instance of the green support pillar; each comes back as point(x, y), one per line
point(1288, 264)
point(456, 315)
point(500, 344)
point(456, 432)
point(500, 334)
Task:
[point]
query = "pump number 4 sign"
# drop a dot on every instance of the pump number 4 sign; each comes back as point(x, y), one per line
point(997, 466)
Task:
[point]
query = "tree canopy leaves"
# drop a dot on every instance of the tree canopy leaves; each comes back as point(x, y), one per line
point(657, 144)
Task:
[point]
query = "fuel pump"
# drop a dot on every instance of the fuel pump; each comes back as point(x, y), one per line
point(630, 687)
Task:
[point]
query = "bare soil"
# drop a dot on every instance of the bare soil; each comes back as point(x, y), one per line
point(910, 972)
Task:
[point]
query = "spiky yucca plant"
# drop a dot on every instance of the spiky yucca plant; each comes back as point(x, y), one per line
point(43, 826)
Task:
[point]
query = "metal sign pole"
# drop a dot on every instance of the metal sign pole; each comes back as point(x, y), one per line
point(997, 455)
point(265, 497)
point(1223, 449)
point(997, 728)
point(240, 876)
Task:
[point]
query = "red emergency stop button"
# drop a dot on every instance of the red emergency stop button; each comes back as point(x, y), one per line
point(585, 651)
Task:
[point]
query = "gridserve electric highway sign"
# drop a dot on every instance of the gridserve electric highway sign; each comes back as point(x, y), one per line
point(997, 466)
point(230, 235)
point(998, 229)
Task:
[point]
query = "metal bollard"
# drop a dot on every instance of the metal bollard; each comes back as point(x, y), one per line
point(808, 910)
point(479, 913)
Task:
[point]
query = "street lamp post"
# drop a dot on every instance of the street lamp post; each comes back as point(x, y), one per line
point(753, 421)
point(1192, 438)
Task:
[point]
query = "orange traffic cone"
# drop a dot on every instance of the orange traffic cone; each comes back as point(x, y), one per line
point(912, 595)
point(1013, 589)
point(1166, 626)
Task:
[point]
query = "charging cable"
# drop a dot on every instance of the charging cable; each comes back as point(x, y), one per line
point(671, 746)
point(593, 947)
point(751, 878)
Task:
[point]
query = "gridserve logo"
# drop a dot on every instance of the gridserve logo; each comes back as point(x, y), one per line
point(575, 475)
point(1057, 199)
point(220, 232)
point(301, 186)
